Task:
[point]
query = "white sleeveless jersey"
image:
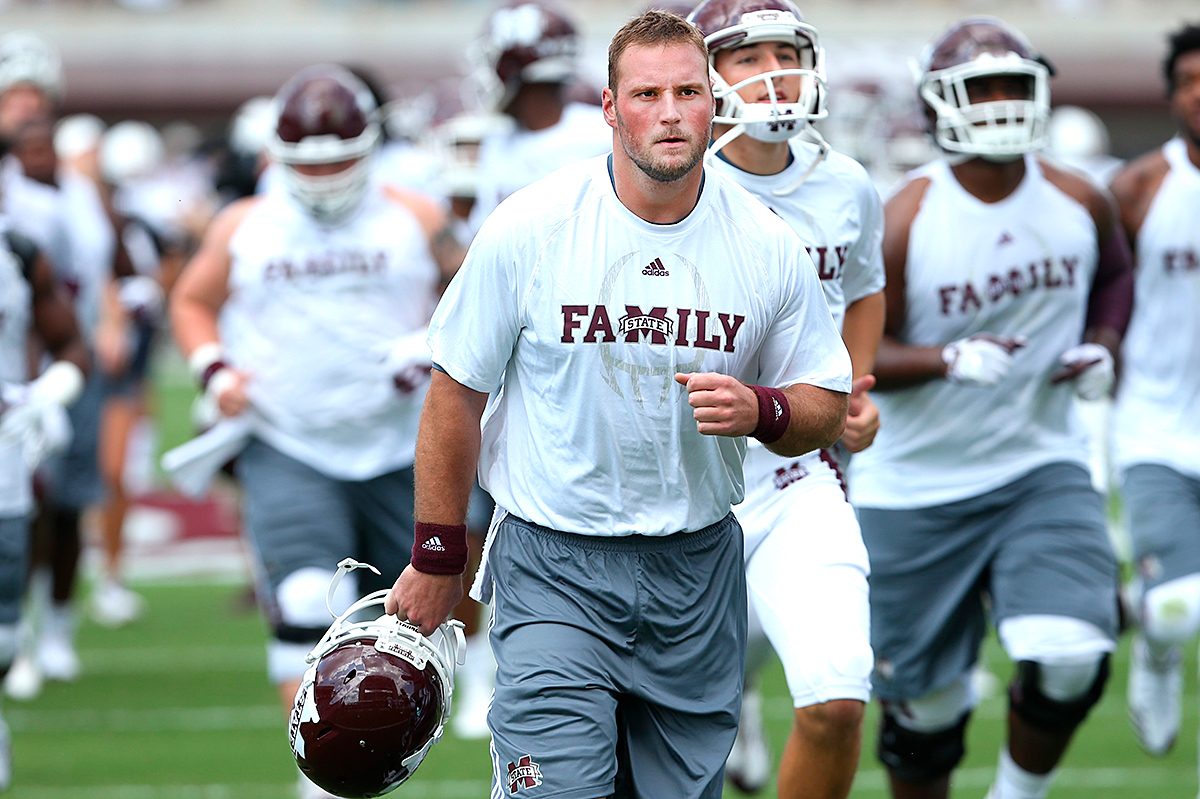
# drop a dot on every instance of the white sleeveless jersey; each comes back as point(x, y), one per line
point(839, 218)
point(1157, 415)
point(312, 315)
point(1019, 267)
point(585, 312)
point(511, 160)
point(16, 487)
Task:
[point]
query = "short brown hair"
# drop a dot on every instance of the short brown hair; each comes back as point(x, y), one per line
point(652, 27)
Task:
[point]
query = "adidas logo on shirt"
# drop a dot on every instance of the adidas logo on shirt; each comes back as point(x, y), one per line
point(1005, 238)
point(434, 545)
point(655, 269)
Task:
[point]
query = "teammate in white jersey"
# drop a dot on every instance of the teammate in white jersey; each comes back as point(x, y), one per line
point(1008, 291)
point(1156, 434)
point(625, 306)
point(31, 418)
point(803, 547)
point(303, 314)
point(524, 63)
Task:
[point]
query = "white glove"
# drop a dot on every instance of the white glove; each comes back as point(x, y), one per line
point(34, 416)
point(980, 360)
point(1090, 366)
point(141, 297)
point(409, 361)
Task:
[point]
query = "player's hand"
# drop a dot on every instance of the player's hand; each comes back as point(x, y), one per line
point(227, 389)
point(862, 422)
point(409, 361)
point(426, 600)
point(980, 360)
point(1090, 366)
point(721, 405)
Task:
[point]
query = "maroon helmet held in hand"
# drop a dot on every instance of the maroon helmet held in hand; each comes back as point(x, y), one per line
point(374, 701)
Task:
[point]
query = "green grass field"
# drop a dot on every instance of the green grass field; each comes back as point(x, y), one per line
point(178, 707)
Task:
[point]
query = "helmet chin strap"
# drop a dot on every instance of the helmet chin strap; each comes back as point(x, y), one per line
point(817, 139)
point(822, 151)
point(345, 566)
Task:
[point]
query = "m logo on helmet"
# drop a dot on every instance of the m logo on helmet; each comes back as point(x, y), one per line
point(524, 774)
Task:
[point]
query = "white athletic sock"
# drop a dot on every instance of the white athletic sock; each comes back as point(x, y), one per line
point(1014, 782)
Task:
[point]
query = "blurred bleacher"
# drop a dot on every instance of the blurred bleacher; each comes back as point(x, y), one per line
point(197, 59)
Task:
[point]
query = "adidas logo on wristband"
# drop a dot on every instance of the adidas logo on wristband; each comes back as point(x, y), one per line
point(434, 545)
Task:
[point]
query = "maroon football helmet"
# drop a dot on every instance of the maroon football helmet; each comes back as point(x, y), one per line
point(325, 115)
point(373, 702)
point(730, 24)
point(524, 41)
point(981, 47)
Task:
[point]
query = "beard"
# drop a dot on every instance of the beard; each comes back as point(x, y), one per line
point(658, 168)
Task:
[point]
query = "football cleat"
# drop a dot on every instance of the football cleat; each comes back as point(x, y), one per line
point(1154, 697)
point(748, 766)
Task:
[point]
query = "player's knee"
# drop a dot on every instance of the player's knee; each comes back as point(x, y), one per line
point(921, 740)
point(301, 618)
point(919, 757)
point(1056, 697)
point(1170, 613)
point(1062, 666)
point(831, 722)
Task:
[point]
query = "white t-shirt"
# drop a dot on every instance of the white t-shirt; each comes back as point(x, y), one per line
point(839, 217)
point(1019, 267)
point(512, 159)
point(313, 312)
point(582, 313)
point(1156, 418)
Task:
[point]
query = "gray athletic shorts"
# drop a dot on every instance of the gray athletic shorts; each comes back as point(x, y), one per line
point(619, 661)
point(298, 518)
point(14, 556)
point(1038, 545)
point(72, 480)
point(1164, 522)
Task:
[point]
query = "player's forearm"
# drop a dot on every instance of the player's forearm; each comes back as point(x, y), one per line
point(193, 323)
point(818, 417)
point(447, 450)
point(900, 365)
point(861, 331)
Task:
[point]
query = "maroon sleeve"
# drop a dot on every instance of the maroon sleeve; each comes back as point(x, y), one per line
point(1111, 302)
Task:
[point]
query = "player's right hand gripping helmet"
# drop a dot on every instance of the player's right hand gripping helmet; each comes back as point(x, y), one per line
point(325, 115)
point(727, 24)
point(981, 47)
point(526, 41)
point(374, 701)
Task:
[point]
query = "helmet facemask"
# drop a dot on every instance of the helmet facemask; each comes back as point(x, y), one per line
point(997, 130)
point(774, 120)
point(329, 198)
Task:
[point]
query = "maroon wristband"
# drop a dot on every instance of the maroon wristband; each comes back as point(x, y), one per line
point(209, 371)
point(774, 414)
point(440, 548)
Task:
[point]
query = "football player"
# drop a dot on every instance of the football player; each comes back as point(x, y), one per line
point(803, 547)
point(1008, 291)
point(64, 215)
point(32, 420)
point(630, 308)
point(303, 317)
point(523, 65)
point(1156, 434)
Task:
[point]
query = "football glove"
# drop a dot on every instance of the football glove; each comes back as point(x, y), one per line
point(1091, 367)
point(980, 360)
